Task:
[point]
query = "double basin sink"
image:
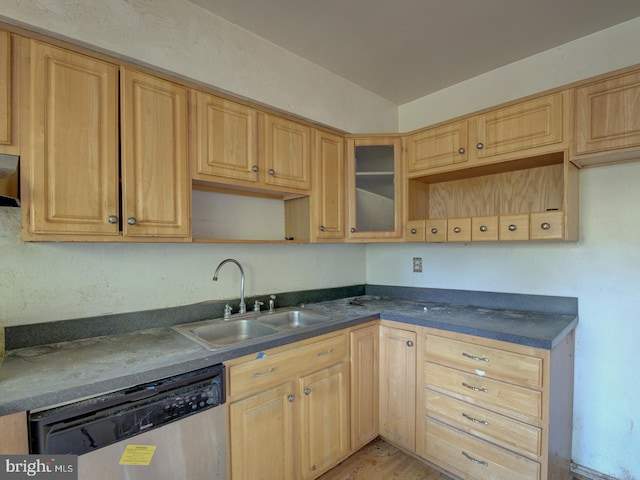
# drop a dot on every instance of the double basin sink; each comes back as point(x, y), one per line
point(219, 333)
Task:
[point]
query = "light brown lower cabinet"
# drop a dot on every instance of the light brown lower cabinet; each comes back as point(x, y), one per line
point(14, 437)
point(492, 409)
point(289, 410)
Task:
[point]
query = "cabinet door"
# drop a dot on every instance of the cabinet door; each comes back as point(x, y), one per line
point(374, 183)
point(324, 433)
point(71, 155)
point(608, 114)
point(225, 142)
point(398, 386)
point(6, 83)
point(14, 438)
point(364, 386)
point(262, 441)
point(156, 188)
point(328, 193)
point(437, 147)
point(532, 124)
point(287, 153)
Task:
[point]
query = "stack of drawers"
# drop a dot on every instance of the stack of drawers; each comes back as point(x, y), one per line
point(484, 408)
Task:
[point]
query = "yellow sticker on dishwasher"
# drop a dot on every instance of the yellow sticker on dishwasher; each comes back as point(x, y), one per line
point(137, 455)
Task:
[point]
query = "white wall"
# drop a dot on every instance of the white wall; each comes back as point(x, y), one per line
point(602, 269)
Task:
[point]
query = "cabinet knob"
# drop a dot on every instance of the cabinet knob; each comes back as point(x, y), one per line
point(322, 228)
point(413, 231)
point(457, 230)
point(132, 220)
point(409, 343)
point(352, 230)
point(113, 219)
point(272, 172)
point(291, 398)
point(307, 391)
point(512, 228)
point(255, 168)
point(461, 150)
point(480, 146)
point(434, 230)
point(545, 226)
point(483, 228)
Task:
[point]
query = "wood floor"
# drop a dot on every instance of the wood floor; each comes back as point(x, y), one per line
point(381, 461)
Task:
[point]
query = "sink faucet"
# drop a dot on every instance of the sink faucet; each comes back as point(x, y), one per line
point(243, 307)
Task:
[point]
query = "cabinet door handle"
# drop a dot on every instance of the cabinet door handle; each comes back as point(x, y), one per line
point(255, 168)
point(324, 354)
point(132, 220)
point(475, 389)
point(307, 391)
point(475, 420)
point(473, 357)
point(470, 458)
point(112, 219)
point(409, 343)
point(322, 228)
point(264, 374)
point(291, 398)
point(353, 230)
point(480, 146)
point(461, 150)
point(272, 172)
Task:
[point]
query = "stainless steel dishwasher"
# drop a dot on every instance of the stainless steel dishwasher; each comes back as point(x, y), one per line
point(174, 428)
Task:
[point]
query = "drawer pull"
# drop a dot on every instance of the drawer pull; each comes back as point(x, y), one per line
point(479, 462)
point(473, 357)
point(475, 389)
point(264, 374)
point(324, 354)
point(475, 420)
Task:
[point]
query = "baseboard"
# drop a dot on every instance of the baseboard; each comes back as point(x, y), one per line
point(584, 473)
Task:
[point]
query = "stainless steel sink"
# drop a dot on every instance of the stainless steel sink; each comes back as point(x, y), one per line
point(293, 318)
point(218, 333)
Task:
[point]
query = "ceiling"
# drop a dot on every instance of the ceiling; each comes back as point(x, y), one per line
point(406, 49)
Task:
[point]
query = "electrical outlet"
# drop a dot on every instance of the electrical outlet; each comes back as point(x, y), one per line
point(417, 264)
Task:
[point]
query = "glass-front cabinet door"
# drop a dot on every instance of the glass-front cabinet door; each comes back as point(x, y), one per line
point(375, 188)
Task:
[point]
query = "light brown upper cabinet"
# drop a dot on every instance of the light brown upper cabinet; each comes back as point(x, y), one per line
point(71, 158)
point(525, 129)
point(224, 138)
point(375, 188)
point(8, 96)
point(285, 146)
point(607, 122)
point(328, 193)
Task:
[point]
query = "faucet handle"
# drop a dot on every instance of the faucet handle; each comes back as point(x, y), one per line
point(227, 311)
point(272, 303)
point(256, 305)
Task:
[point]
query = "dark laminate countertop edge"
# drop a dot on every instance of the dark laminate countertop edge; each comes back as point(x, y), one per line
point(32, 386)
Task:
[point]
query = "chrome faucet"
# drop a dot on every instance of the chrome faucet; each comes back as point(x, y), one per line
point(243, 307)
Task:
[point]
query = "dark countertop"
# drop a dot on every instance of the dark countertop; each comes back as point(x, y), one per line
point(46, 375)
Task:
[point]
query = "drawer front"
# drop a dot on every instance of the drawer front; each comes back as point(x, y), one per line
point(415, 231)
point(261, 373)
point(547, 225)
point(459, 229)
point(517, 402)
point(485, 361)
point(436, 230)
point(514, 228)
point(471, 458)
point(484, 229)
point(512, 434)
